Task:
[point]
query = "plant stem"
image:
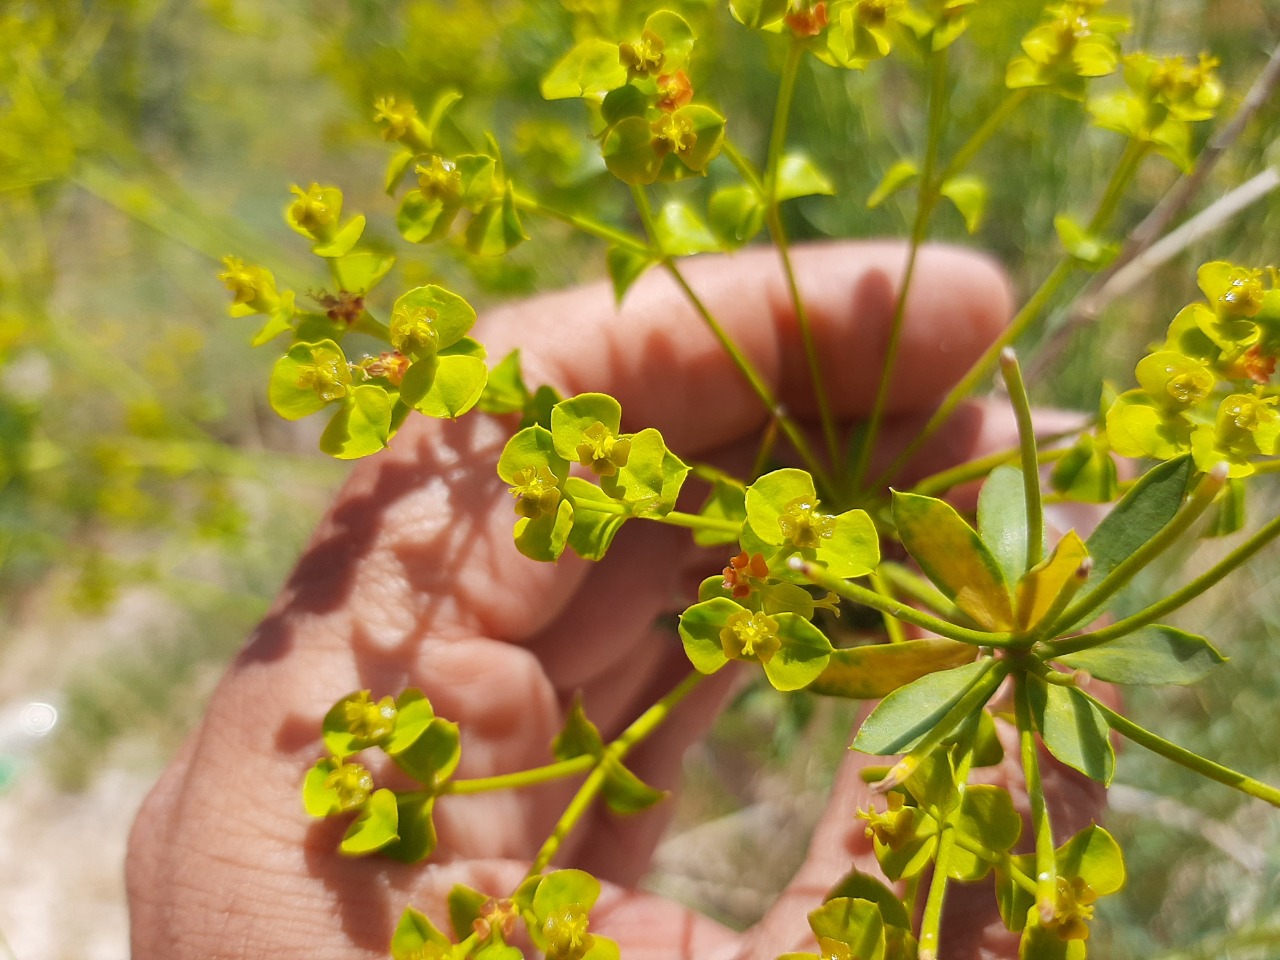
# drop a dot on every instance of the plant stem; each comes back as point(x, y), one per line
point(895, 608)
point(587, 225)
point(693, 521)
point(944, 480)
point(1125, 570)
point(1030, 312)
point(1180, 755)
point(978, 139)
point(1027, 449)
point(1046, 865)
point(917, 588)
point(931, 920)
point(773, 213)
point(1004, 859)
point(744, 166)
point(891, 625)
point(1232, 561)
point(761, 389)
point(643, 725)
point(522, 778)
point(926, 201)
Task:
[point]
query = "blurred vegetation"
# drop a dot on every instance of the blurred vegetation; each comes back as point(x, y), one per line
point(142, 140)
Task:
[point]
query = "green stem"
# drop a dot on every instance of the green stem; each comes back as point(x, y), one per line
point(978, 139)
point(931, 921)
point(644, 725)
point(1001, 857)
point(587, 225)
point(1125, 570)
point(920, 590)
point(927, 199)
point(761, 389)
point(773, 212)
point(1027, 449)
point(1148, 615)
point(1183, 757)
point(1046, 865)
point(522, 778)
point(895, 608)
point(694, 521)
point(1126, 167)
point(944, 480)
point(891, 625)
point(744, 166)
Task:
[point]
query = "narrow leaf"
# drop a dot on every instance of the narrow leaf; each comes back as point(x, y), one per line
point(1152, 655)
point(1073, 729)
point(902, 718)
point(874, 671)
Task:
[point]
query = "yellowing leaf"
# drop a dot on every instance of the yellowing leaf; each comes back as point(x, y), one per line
point(953, 556)
point(1042, 584)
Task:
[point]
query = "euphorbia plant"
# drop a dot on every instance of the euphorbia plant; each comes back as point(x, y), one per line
point(1012, 607)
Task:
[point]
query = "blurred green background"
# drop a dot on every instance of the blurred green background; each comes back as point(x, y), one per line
point(151, 503)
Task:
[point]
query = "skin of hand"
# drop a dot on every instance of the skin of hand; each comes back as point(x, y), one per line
point(412, 579)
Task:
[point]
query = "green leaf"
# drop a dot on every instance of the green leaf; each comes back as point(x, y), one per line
point(853, 549)
point(681, 232)
point(375, 828)
point(565, 888)
point(362, 271)
point(700, 628)
point(416, 936)
point(1049, 580)
point(531, 447)
point(768, 497)
point(504, 388)
point(1002, 520)
point(318, 798)
point(308, 378)
point(677, 38)
point(954, 558)
point(727, 501)
point(969, 194)
point(342, 242)
point(626, 267)
point(1087, 473)
point(736, 214)
point(629, 153)
point(572, 418)
point(757, 13)
point(874, 671)
point(579, 736)
point(1073, 729)
point(413, 716)
point(857, 923)
point(861, 886)
point(626, 101)
point(423, 220)
point(802, 657)
point(362, 425)
point(450, 315)
point(545, 538)
point(593, 530)
point(986, 815)
point(903, 718)
point(1141, 513)
point(624, 792)
point(1086, 247)
point(396, 167)
point(1095, 857)
point(1152, 655)
point(799, 176)
point(895, 178)
point(431, 758)
point(456, 384)
point(465, 905)
point(496, 229)
point(416, 829)
point(650, 481)
point(591, 69)
point(478, 172)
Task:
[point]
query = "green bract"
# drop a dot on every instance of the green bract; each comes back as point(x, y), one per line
point(792, 650)
point(783, 511)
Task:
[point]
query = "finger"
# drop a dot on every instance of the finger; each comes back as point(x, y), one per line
point(657, 356)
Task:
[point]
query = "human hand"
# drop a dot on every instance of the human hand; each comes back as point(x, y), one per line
point(412, 580)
